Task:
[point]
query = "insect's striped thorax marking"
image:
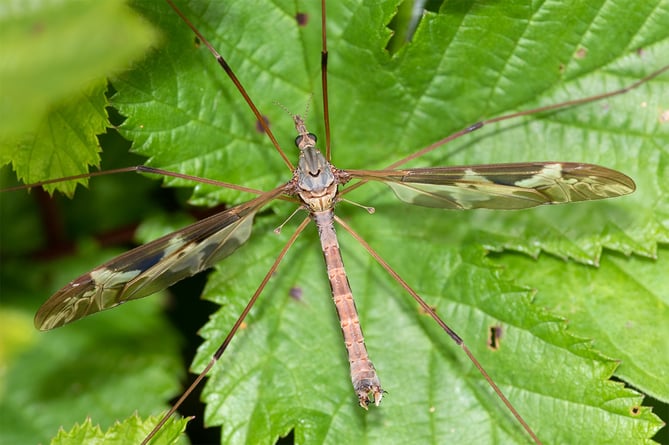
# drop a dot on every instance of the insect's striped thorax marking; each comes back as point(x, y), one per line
point(314, 178)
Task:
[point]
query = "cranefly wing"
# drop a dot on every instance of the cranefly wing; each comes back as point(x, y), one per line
point(154, 266)
point(501, 186)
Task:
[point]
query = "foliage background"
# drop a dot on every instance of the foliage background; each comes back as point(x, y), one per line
point(575, 288)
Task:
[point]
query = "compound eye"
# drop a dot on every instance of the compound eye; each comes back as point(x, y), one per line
point(299, 138)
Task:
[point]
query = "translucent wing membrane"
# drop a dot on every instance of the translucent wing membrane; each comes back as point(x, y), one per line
point(502, 186)
point(152, 267)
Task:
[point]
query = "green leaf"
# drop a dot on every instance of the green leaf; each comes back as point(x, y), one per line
point(40, 154)
point(94, 369)
point(56, 57)
point(131, 430)
point(286, 369)
point(633, 311)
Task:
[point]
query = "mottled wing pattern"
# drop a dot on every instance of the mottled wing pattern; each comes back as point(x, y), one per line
point(502, 186)
point(154, 266)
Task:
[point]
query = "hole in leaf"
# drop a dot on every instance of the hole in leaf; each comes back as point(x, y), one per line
point(495, 334)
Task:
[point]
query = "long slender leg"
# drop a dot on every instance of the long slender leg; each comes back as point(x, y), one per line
point(456, 338)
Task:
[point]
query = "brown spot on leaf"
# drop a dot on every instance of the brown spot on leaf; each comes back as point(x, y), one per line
point(302, 18)
point(259, 127)
point(37, 28)
point(296, 293)
point(423, 311)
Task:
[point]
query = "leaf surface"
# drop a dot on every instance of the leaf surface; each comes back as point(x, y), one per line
point(286, 370)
